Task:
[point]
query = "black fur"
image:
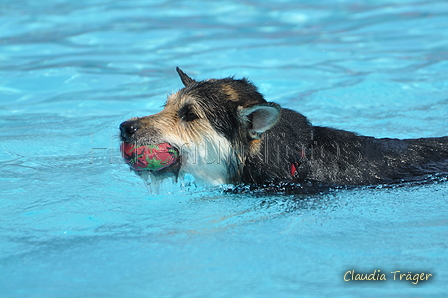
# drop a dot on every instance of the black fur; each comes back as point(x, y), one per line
point(220, 111)
point(338, 157)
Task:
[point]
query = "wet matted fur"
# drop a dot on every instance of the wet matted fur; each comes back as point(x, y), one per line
point(227, 133)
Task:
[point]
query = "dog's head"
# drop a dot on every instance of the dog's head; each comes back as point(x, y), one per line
point(210, 127)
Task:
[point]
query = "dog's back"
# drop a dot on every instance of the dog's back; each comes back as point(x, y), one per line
point(295, 150)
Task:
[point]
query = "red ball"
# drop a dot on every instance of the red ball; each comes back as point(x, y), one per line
point(149, 158)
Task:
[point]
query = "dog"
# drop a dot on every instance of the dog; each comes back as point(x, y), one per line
point(225, 132)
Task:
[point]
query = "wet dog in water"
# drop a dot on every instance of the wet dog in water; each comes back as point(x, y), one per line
point(222, 131)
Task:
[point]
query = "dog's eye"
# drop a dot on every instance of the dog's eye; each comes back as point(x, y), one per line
point(190, 116)
point(186, 114)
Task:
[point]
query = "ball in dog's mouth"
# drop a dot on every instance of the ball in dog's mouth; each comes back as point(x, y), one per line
point(149, 157)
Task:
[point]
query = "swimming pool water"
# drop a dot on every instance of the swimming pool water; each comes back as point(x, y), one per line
point(74, 222)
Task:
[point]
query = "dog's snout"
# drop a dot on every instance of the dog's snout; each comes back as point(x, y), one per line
point(128, 128)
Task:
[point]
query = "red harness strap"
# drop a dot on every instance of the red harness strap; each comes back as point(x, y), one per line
point(295, 166)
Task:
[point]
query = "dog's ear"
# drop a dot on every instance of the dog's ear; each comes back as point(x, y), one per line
point(186, 80)
point(261, 117)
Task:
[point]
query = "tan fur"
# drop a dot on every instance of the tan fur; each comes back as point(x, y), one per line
point(167, 121)
point(231, 93)
point(255, 147)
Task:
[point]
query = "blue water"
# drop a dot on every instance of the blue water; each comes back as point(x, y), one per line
point(74, 222)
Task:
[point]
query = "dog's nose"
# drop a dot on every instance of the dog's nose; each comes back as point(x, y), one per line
point(128, 128)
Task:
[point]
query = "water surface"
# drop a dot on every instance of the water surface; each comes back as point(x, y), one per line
point(75, 222)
